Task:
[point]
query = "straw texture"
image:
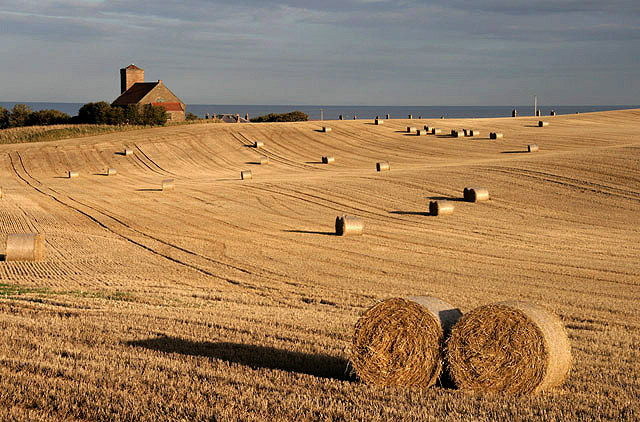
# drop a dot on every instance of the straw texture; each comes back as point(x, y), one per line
point(512, 347)
point(25, 247)
point(400, 342)
point(348, 225)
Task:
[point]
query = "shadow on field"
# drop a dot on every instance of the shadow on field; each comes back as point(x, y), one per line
point(318, 365)
point(514, 152)
point(313, 162)
point(446, 198)
point(3, 257)
point(410, 212)
point(311, 232)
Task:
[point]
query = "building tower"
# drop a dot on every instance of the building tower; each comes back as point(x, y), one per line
point(129, 76)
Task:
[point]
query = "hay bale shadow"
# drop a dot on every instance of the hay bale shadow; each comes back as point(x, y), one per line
point(257, 163)
point(3, 257)
point(317, 365)
point(514, 152)
point(445, 198)
point(311, 232)
point(313, 162)
point(149, 190)
point(120, 153)
point(530, 125)
point(410, 212)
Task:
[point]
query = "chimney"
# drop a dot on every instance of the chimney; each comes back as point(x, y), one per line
point(129, 76)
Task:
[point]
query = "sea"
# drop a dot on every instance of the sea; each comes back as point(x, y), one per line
point(331, 112)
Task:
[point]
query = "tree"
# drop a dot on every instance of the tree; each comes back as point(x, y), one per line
point(47, 117)
point(294, 116)
point(95, 113)
point(19, 115)
point(5, 118)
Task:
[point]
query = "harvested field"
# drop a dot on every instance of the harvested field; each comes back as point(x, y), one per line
point(231, 300)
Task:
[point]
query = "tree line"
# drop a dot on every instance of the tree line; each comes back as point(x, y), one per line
point(101, 113)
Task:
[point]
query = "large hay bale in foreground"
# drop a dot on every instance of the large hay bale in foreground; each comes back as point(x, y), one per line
point(512, 347)
point(348, 225)
point(25, 247)
point(475, 194)
point(532, 148)
point(73, 174)
point(400, 342)
point(542, 124)
point(128, 152)
point(246, 175)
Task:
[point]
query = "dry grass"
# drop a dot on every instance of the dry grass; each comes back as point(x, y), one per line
point(56, 132)
point(235, 301)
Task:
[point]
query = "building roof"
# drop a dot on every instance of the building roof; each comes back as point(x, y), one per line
point(169, 106)
point(133, 66)
point(134, 94)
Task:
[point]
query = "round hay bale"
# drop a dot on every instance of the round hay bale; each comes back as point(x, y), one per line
point(538, 112)
point(410, 129)
point(128, 152)
point(382, 166)
point(427, 128)
point(475, 194)
point(532, 148)
point(514, 113)
point(379, 121)
point(435, 131)
point(466, 132)
point(1, 192)
point(328, 160)
point(441, 207)
point(73, 174)
point(348, 225)
point(264, 160)
point(25, 247)
point(495, 135)
point(542, 124)
point(246, 175)
point(474, 132)
point(553, 113)
point(167, 184)
point(400, 342)
point(258, 144)
point(421, 132)
point(388, 116)
point(340, 117)
point(111, 172)
point(456, 133)
point(326, 129)
point(410, 116)
point(511, 347)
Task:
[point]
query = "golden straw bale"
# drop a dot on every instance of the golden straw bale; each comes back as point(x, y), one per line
point(509, 347)
point(496, 135)
point(474, 132)
point(258, 144)
point(427, 128)
point(532, 148)
point(348, 225)
point(328, 160)
point(475, 194)
point(456, 133)
point(466, 132)
point(128, 152)
point(411, 129)
point(25, 247)
point(542, 124)
point(1, 192)
point(379, 121)
point(382, 166)
point(553, 113)
point(246, 175)
point(111, 172)
point(264, 160)
point(441, 207)
point(167, 184)
point(436, 131)
point(326, 129)
point(421, 132)
point(400, 342)
point(72, 174)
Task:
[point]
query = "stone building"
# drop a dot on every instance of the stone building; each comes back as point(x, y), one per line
point(133, 90)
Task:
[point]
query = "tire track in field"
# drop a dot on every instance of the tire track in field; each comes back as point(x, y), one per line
point(104, 225)
point(160, 170)
point(272, 155)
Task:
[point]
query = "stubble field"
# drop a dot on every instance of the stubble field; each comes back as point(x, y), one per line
point(233, 300)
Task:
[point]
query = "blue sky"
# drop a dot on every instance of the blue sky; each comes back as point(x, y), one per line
point(367, 52)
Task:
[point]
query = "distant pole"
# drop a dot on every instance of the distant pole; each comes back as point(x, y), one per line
point(321, 114)
point(535, 105)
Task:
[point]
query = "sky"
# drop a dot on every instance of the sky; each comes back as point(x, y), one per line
point(331, 52)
